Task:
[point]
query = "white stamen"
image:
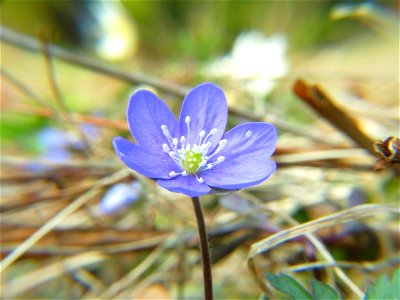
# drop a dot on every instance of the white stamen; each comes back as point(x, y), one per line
point(221, 145)
point(165, 148)
point(164, 130)
point(197, 149)
point(201, 134)
point(173, 173)
point(199, 179)
point(173, 142)
point(187, 121)
point(193, 156)
point(205, 147)
point(213, 131)
point(219, 160)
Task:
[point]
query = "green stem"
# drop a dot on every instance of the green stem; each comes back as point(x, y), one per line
point(205, 250)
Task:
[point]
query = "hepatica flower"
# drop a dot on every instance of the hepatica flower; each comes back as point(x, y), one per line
point(120, 196)
point(194, 156)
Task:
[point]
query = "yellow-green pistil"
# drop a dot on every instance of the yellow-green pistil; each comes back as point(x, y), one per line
point(192, 161)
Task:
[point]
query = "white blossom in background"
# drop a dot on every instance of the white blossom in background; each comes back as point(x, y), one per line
point(120, 196)
point(256, 60)
point(109, 29)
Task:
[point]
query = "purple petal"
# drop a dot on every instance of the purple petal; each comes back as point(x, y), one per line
point(239, 175)
point(255, 138)
point(246, 155)
point(207, 108)
point(152, 165)
point(146, 113)
point(187, 185)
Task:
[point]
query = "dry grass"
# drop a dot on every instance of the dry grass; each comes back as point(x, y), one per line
point(55, 244)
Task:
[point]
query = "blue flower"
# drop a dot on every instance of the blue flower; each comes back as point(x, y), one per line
point(120, 196)
point(51, 138)
point(194, 156)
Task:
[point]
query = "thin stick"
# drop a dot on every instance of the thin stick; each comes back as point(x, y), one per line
point(30, 44)
point(25, 42)
point(59, 96)
point(59, 217)
point(205, 250)
point(76, 118)
point(306, 229)
point(136, 272)
point(317, 98)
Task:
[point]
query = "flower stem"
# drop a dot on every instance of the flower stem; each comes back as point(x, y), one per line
point(205, 251)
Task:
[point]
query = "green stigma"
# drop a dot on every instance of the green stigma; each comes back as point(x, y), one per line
point(192, 161)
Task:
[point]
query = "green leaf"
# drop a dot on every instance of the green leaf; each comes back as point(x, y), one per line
point(322, 291)
point(289, 286)
point(381, 290)
point(396, 284)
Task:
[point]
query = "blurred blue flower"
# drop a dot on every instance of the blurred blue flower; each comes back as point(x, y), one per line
point(51, 138)
point(52, 156)
point(58, 146)
point(119, 196)
point(194, 156)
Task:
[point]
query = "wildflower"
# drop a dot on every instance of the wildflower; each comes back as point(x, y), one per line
point(55, 145)
point(256, 60)
point(120, 196)
point(194, 156)
point(59, 146)
point(51, 138)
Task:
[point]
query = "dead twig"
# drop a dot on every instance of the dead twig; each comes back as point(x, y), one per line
point(307, 228)
point(59, 217)
point(75, 117)
point(30, 44)
point(318, 99)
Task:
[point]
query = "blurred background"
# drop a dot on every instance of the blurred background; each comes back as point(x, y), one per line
point(76, 224)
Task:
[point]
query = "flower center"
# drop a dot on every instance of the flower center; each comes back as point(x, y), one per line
point(192, 162)
point(192, 158)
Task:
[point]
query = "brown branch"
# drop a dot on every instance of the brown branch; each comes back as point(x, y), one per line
point(30, 44)
point(27, 43)
point(75, 117)
point(318, 99)
point(77, 237)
